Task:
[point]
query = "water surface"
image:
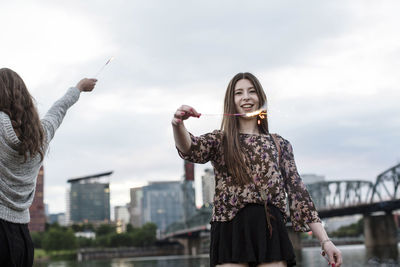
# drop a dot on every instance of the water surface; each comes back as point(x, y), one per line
point(353, 255)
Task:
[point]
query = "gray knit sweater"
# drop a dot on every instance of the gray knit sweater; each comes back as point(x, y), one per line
point(18, 178)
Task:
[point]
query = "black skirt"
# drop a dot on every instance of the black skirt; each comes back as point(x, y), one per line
point(247, 239)
point(16, 247)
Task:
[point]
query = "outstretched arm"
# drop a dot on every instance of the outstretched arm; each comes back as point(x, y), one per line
point(56, 113)
point(181, 135)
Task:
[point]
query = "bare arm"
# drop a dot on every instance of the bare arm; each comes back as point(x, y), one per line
point(181, 135)
point(334, 254)
point(319, 231)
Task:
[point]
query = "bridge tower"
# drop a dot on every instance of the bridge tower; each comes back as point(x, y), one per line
point(380, 231)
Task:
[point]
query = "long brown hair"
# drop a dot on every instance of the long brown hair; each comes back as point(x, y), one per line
point(17, 103)
point(234, 156)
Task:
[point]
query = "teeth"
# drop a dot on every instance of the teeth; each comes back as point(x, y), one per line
point(247, 106)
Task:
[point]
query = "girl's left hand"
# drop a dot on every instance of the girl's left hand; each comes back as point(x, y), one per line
point(333, 253)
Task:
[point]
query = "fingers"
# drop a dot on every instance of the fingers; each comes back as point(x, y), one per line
point(90, 84)
point(338, 259)
point(183, 113)
point(335, 258)
point(189, 111)
point(331, 260)
point(323, 253)
point(86, 85)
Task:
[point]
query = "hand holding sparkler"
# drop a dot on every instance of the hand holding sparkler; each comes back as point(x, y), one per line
point(183, 113)
point(86, 85)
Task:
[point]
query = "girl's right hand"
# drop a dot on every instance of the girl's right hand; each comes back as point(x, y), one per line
point(86, 85)
point(183, 113)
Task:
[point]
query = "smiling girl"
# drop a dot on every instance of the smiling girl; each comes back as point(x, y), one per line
point(255, 172)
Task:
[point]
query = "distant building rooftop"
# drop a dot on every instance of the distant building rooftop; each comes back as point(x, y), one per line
point(163, 182)
point(89, 177)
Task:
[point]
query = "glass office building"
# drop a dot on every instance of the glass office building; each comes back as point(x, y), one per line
point(89, 199)
point(163, 203)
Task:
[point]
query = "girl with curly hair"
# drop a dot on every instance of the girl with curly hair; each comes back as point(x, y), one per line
point(24, 140)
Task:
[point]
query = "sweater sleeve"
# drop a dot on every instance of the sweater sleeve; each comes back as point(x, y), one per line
point(203, 148)
point(301, 206)
point(56, 113)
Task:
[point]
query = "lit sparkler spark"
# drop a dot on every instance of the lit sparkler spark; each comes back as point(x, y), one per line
point(102, 68)
point(262, 113)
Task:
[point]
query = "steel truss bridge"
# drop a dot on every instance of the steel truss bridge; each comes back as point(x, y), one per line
point(347, 197)
point(332, 198)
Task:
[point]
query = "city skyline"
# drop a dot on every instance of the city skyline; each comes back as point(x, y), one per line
point(329, 71)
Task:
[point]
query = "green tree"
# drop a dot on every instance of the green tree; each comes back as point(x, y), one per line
point(59, 239)
point(144, 236)
point(84, 242)
point(129, 228)
point(88, 227)
point(77, 227)
point(121, 240)
point(105, 229)
point(352, 230)
point(37, 239)
point(102, 241)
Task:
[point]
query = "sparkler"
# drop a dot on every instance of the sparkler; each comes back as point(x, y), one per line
point(261, 113)
point(102, 68)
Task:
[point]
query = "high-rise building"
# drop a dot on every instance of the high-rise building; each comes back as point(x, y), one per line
point(121, 214)
point(46, 210)
point(57, 218)
point(89, 198)
point(162, 203)
point(68, 208)
point(135, 206)
point(36, 210)
point(208, 186)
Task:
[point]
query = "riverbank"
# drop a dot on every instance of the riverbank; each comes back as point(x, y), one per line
point(338, 242)
point(86, 254)
point(41, 255)
point(127, 252)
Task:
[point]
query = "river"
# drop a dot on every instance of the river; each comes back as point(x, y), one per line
point(353, 255)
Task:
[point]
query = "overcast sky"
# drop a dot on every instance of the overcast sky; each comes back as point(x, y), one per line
point(330, 70)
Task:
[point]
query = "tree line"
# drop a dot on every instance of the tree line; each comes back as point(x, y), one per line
point(58, 237)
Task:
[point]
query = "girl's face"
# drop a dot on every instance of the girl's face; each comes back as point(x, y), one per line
point(245, 97)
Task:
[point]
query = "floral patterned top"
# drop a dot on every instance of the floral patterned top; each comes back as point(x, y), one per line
point(276, 181)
